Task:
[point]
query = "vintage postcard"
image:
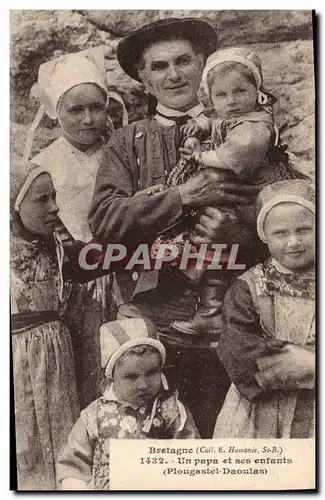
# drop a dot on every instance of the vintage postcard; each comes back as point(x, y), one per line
point(162, 250)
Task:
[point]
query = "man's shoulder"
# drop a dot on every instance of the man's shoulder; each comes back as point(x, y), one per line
point(138, 128)
point(138, 124)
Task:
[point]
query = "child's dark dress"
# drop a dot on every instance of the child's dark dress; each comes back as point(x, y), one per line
point(266, 302)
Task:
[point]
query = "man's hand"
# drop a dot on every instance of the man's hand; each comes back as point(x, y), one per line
point(204, 190)
point(293, 368)
point(158, 188)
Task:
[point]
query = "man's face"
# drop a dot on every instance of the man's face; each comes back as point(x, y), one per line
point(172, 73)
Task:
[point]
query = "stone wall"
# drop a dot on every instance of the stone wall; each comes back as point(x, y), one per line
point(282, 38)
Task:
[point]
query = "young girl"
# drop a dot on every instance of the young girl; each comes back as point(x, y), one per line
point(244, 145)
point(73, 90)
point(137, 404)
point(45, 394)
point(268, 340)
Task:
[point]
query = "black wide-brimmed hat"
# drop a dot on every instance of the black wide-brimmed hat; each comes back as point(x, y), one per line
point(130, 49)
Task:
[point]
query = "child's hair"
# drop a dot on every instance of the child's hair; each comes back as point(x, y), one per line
point(140, 350)
point(299, 191)
point(222, 70)
point(227, 67)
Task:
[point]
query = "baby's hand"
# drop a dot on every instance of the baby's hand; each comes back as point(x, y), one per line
point(151, 190)
point(191, 128)
point(188, 154)
point(193, 144)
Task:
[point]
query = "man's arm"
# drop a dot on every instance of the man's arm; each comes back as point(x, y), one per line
point(117, 216)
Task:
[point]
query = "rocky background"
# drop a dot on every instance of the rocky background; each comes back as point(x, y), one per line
point(284, 40)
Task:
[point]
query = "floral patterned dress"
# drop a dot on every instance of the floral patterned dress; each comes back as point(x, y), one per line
point(91, 304)
point(251, 167)
point(45, 394)
point(267, 302)
point(87, 454)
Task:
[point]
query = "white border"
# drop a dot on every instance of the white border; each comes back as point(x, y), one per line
point(4, 195)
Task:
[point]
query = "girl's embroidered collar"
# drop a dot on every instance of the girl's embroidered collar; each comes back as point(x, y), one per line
point(280, 268)
point(110, 395)
point(284, 270)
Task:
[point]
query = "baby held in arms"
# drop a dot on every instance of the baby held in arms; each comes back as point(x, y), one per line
point(237, 140)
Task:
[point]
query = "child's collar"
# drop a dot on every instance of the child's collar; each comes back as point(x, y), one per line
point(284, 270)
point(279, 267)
point(110, 395)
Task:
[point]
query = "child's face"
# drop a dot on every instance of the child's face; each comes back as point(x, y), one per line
point(137, 378)
point(38, 210)
point(83, 114)
point(232, 94)
point(290, 233)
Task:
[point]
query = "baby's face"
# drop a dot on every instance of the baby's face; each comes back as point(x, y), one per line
point(290, 233)
point(232, 94)
point(137, 378)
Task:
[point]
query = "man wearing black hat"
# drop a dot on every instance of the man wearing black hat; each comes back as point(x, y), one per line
point(168, 57)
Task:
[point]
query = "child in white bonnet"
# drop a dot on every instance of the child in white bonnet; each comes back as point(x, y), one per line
point(268, 339)
point(137, 404)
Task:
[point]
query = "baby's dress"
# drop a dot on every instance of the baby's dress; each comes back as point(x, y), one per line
point(274, 167)
point(277, 165)
point(45, 393)
point(266, 302)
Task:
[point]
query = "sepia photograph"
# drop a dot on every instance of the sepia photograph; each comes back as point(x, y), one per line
point(162, 250)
